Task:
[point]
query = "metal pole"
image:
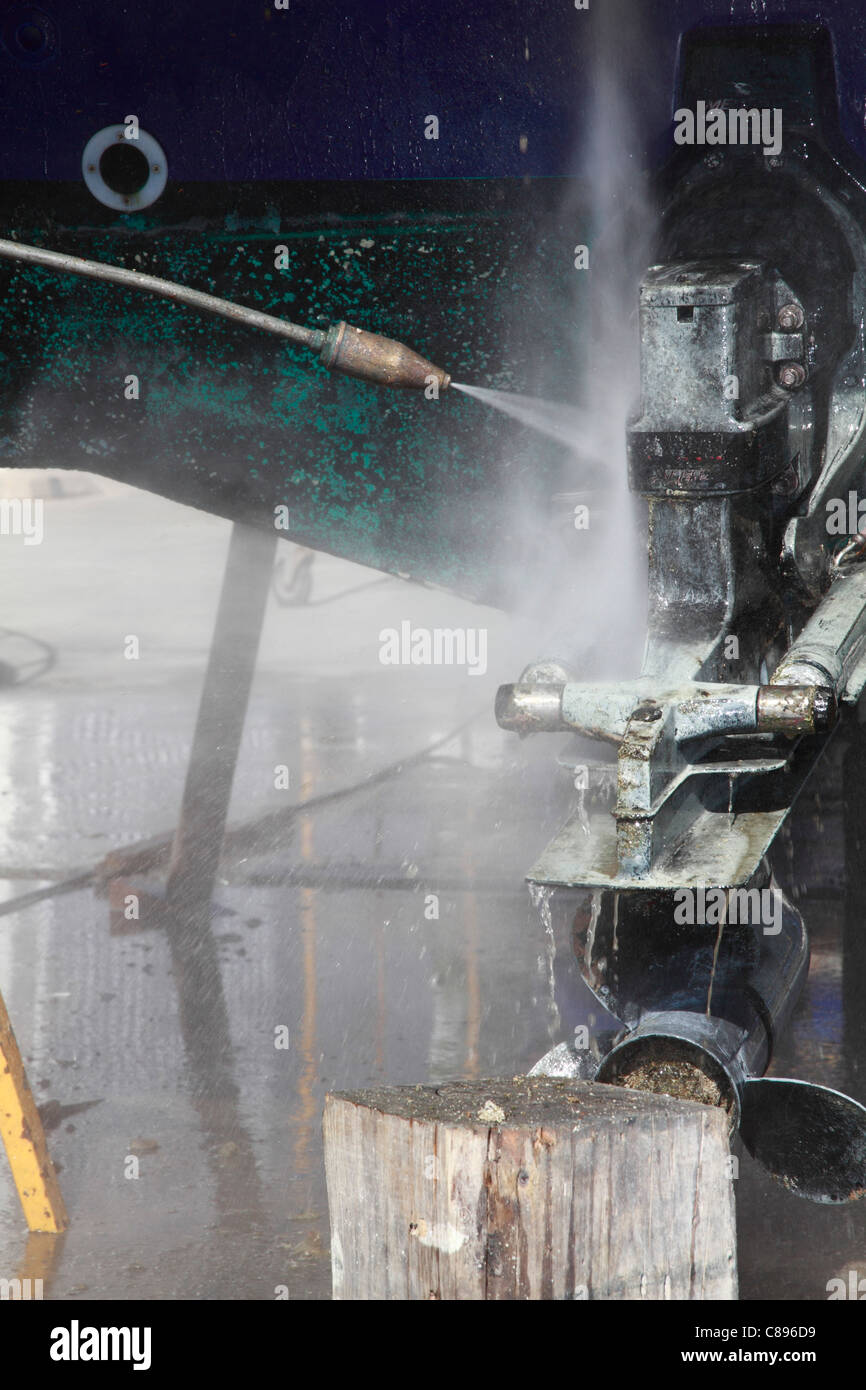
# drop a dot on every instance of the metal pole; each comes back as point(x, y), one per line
point(204, 1018)
point(219, 726)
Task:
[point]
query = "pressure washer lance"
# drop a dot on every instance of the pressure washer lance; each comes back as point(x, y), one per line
point(342, 348)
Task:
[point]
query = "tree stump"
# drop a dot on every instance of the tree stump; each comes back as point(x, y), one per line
point(528, 1189)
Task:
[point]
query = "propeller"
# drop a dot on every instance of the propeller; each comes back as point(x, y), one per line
point(701, 1008)
point(810, 1138)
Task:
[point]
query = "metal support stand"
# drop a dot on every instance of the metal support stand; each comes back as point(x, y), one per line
point(204, 1018)
point(219, 727)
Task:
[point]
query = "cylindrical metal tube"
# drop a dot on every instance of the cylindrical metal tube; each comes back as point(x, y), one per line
point(795, 709)
point(683, 1054)
point(374, 358)
point(716, 710)
point(603, 710)
point(706, 1057)
point(766, 709)
point(830, 643)
point(775, 985)
point(530, 709)
point(167, 289)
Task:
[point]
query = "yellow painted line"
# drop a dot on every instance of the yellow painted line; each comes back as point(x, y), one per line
point(40, 1259)
point(24, 1139)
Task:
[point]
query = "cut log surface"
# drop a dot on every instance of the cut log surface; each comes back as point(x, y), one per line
point(528, 1189)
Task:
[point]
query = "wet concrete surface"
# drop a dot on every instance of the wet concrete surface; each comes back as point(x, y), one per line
point(319, 920)
point(324, 967)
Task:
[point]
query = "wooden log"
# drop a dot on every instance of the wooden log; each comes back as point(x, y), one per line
point(528, 1188)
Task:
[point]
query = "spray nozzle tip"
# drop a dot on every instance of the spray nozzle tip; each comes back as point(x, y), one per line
point(371, 357)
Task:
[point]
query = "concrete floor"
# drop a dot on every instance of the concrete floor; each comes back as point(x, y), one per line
point(320, 926)
point(229, 1201)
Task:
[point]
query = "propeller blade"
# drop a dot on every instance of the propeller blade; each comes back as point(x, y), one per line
point(811, 1139)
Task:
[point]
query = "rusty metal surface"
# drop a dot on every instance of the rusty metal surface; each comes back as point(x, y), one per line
point(703, 324)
